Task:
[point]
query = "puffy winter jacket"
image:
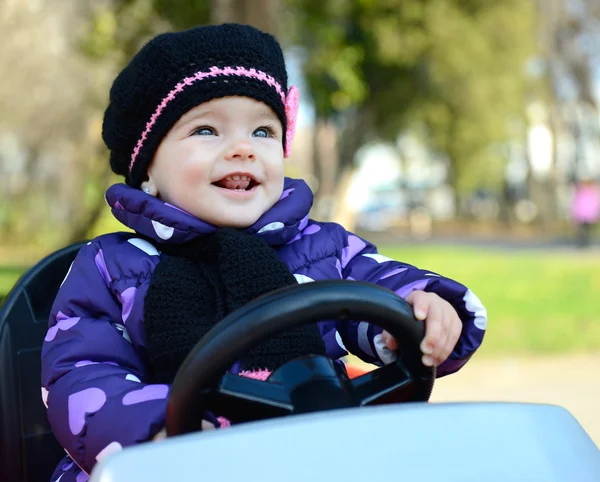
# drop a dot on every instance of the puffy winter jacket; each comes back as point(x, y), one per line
point(94, 360)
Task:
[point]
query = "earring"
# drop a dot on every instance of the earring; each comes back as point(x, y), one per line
point(147, 190)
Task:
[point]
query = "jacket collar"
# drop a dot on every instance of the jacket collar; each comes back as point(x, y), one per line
point(166, 223)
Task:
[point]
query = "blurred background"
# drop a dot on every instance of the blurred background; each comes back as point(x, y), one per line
point(459, 135)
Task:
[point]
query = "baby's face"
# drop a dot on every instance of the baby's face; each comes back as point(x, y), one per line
point(222, 162)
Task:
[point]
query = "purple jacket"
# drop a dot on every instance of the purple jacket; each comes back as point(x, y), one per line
point(93, 367)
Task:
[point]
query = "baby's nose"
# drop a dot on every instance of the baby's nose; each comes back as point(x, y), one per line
point(241, 150)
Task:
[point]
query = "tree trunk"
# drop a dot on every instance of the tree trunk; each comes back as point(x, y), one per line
point(221, 11)
point(341, 212)
point(262, 14)
point(454, 174)
point(90, 217)
point(460, 212)
point(358, 130)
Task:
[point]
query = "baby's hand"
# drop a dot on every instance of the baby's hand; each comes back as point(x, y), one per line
point(160, 435)
point(442, 327)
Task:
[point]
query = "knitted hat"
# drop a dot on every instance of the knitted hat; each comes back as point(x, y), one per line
point(177, 71)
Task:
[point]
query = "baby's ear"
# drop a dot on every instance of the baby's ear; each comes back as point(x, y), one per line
point(149, 187)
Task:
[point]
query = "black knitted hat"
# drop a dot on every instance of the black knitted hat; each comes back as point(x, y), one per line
point(177, 71)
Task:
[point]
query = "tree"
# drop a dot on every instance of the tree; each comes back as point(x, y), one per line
point(455, 67)
point(48, 98)
point(568, 36)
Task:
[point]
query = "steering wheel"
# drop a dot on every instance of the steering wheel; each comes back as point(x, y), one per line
point(306, 384)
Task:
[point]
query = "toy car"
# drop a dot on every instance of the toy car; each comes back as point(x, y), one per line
point(308, 421)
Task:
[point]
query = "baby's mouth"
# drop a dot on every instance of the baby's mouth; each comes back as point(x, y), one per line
point(236, 183)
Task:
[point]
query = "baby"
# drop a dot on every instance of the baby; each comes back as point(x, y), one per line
point(199, 123)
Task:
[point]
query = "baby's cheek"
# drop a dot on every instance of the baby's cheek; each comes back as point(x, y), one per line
point(194, 173)
point(276, 185)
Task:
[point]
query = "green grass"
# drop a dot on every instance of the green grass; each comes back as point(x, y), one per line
point(537, 301)
point(8, 277)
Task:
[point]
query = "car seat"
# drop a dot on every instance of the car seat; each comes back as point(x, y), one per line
point(28, 450)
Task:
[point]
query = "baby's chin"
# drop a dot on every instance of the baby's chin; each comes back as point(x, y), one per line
point(238, 216)
point(237, 221)
point(240, 219)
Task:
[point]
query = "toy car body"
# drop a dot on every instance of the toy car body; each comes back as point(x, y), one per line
point(466, 442)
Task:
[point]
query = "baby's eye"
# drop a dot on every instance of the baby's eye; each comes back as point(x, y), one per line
point(204, 131)
point(264, 131)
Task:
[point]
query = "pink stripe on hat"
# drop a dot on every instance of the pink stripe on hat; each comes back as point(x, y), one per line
point(291, 104)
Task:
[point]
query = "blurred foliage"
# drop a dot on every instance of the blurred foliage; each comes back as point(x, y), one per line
point(454, 66)
point(50, 149)
point(118, 28)
point(184, 14)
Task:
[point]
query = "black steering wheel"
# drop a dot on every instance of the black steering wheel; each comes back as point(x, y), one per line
point(306, 384)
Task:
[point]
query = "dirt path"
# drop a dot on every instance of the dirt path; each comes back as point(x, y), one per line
point(572, 382)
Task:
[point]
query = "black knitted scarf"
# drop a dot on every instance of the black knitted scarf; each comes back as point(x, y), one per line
point(199, 283)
